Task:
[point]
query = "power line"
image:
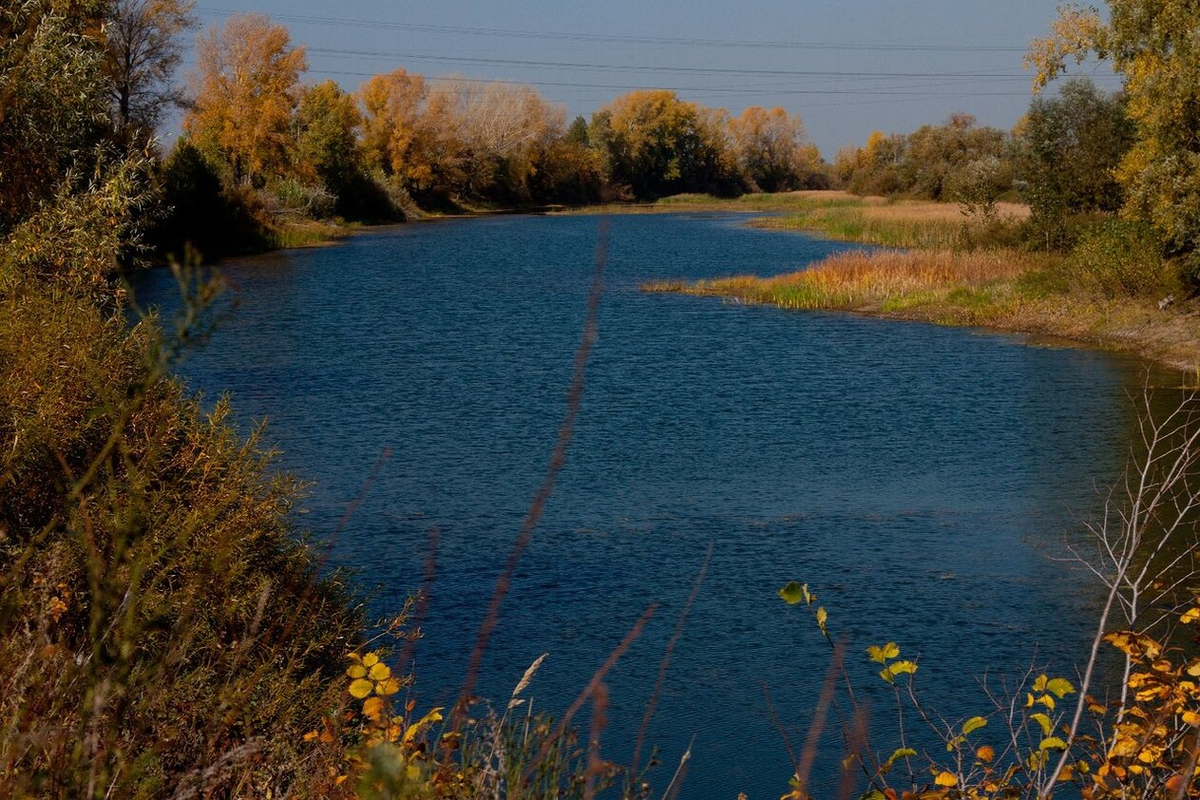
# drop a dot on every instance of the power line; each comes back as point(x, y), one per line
point(625, 39)
point(513, 62)
point(895, 91)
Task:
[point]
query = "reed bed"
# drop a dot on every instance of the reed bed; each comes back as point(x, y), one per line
point(926, 225)
point(867, 281)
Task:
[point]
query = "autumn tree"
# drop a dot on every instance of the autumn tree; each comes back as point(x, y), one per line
point(246, 90)
point(499, 130)
point(144, 49)
point(874, 168)
point(1153, 45)
point(657, 145)
point(410, 135)
point(770, 148)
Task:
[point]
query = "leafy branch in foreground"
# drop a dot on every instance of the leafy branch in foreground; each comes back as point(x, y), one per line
point(1145, 743)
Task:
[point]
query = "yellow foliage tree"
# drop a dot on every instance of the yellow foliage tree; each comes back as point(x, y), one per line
point(246, 90)
point(658, 144)
point(1153, 44)
point(770, 148)
point(410, 132)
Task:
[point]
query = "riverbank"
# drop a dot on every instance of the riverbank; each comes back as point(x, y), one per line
point(942, 282)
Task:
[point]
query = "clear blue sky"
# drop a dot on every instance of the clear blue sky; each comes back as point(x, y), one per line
point(845, 66)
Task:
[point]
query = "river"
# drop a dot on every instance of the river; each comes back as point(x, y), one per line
point(919, 478)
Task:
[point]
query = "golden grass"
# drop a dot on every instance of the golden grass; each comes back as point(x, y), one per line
point(844, 216)
point(866, 281)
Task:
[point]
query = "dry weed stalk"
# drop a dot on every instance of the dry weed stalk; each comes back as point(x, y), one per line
point(557, 459)
point(1145, 517)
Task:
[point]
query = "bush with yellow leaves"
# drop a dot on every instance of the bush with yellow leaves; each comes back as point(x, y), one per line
point(1145, 744)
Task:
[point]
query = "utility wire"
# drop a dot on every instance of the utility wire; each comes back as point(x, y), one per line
point(615, 38)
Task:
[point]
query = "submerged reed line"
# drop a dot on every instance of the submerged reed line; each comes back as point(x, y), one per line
point(680, 623)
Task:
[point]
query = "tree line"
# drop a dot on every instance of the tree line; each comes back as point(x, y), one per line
point(262, 143)
point(261, 147)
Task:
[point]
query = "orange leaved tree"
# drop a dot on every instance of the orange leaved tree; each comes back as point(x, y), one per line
point(246, 89)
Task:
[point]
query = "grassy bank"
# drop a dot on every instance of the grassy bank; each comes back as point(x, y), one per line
point(947, 279)
point(836, 214)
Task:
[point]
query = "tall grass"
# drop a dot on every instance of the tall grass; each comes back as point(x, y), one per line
point(862, 281)
point(900, 223)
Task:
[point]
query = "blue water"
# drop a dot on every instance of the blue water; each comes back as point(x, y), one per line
point(919, 478)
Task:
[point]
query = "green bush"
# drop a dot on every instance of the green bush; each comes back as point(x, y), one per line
point(309, 199)
point(1118, 258)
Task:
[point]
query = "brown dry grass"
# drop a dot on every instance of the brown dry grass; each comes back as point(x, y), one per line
point(866, 281)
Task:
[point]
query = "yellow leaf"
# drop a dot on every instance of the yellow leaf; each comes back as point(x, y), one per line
point(308, 737)
point(947, 779)
point(973, 724)
point(388, 687)
point(903, 752)
point(1047, 701)
point(822, 616)
point(340, 779)
point(792, 593)
point(380, 671)
point(355, 671)
point(373, 707)
point(360, 688)
point(1191, 718)
point(1052, 743)
point(1190, 616)
point(435, 715)
point(1044, 721)
point(1060, 687)
point(985, 753)
point(370, 660)
point(1040, 684)
point(1134, 644)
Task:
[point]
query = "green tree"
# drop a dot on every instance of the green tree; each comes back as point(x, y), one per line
point(935, 153)
point(327, 123)
point(578, 132)
point(1068, 150)
point(657, 144)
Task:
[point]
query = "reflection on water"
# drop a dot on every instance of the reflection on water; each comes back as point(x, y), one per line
point(917, 477)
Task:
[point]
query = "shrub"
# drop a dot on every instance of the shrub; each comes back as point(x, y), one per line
point(198, 210)
point(1118, 258)
point(309, 199)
